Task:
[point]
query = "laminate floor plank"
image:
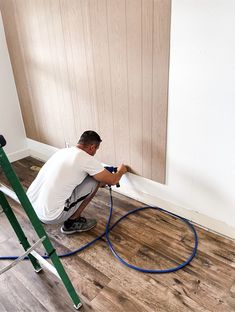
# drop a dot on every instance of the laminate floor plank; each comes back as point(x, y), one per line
point(14, 296)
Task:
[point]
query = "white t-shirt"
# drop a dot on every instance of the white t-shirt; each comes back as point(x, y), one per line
point(57, 179)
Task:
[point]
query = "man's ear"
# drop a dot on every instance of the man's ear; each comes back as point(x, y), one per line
point(93, 148)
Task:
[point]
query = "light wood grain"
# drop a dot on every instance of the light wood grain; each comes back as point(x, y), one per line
point(147, 85)
point(134, 80)
point(116, 11)
point(97, 11)
point(161, 18)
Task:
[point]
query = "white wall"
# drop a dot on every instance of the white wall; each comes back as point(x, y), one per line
point(201, 125)
point(11, 123)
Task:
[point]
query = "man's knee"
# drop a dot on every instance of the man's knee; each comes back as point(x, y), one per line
point(90, 184)
point(94, 186)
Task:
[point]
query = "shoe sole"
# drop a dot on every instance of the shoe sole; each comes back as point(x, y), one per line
point(76, 231)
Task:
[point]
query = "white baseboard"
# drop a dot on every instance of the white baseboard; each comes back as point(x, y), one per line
point(133, 186)
point(18, 155)
point(40, 150)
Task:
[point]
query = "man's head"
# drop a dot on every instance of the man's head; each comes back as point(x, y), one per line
point(89, 142)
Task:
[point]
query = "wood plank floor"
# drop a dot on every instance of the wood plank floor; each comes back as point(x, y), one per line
point(150, 238)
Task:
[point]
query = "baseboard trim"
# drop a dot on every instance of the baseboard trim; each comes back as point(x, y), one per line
point(144, 190)
point(18, 155)
point(40, 150)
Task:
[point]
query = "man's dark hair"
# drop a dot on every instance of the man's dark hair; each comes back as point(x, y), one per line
point(89, 137)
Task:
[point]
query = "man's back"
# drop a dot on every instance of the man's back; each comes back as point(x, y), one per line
point(58, 178)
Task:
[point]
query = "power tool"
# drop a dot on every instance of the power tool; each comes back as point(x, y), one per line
point(112, 170)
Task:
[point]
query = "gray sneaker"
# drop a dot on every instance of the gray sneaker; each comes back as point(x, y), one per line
point(80, 225)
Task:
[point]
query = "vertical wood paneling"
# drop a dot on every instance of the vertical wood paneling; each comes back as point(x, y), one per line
point(90, 65)
point(77, 63)
point(27, 26)
point(61, 97)
point(94, 64)
point(147, 84)
point(118, 62)
point(39, 63)
point(134, 74)
point(161, 31)
point(70, 16)
point(47, 62)
point(101, 62)
point(31, 17)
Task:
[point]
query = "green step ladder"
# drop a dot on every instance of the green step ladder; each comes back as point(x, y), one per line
point(37, 261)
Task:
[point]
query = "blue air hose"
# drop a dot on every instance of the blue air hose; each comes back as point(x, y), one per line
point(109, 228)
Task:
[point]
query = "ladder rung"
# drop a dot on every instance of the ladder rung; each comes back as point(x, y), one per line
point(9, 192)
point(20, 258)
point(41, 260)
point(45, 263)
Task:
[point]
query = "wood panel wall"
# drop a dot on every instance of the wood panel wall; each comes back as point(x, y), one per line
point(94, 64)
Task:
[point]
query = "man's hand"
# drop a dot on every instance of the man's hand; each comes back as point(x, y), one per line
point(122, 169)
point(109, 178)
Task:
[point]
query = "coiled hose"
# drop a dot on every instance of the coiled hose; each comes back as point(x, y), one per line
point(109, 228)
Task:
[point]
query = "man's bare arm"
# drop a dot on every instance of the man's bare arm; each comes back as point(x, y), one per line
point(110, 178)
